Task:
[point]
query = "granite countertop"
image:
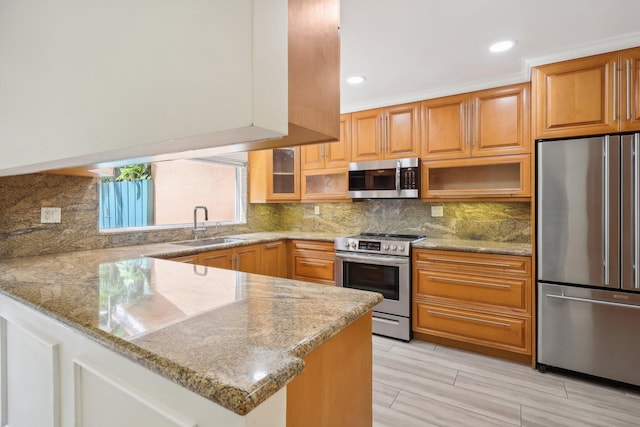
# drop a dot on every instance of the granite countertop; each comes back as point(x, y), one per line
point(234, 338)
point(479, 246)
point(168, 250)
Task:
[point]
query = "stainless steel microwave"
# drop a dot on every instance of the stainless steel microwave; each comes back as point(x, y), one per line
point(385, 179)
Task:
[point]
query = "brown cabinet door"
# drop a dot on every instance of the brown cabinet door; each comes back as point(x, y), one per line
point(500, 121)
point(314, 269)
point(273, 259)
point(247, 259)
point(189, 259)
point(402, 131)
point(313, 261)
point(366, 135)
point(630, 93)
point(444, 128)
point(219, 259)
point(338, 154)
point(501, 292)
point(311, 156)
point(577, 97)
point(283, 174)
point(493, 330)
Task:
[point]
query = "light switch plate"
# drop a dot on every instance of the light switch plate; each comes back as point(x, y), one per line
point(50, 215)
point(437, 211)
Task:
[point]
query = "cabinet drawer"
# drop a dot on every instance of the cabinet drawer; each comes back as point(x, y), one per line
point(307, 245)
point(317, 270)
point(502, 292)
point(473, 262)
point(496, 331)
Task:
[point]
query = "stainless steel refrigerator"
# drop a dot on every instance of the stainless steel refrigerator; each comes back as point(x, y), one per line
point(588, 251)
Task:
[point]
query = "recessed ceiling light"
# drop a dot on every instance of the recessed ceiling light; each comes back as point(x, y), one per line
point(355, 80)
point(502, 46)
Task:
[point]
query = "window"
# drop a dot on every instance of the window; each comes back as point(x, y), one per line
point(163, 194)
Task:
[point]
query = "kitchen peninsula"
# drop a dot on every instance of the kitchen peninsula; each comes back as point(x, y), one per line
point(220, 347)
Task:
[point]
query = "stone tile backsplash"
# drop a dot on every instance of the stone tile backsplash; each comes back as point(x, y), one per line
point(22, 234)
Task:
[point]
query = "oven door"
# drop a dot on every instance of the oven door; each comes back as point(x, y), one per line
point(388, 275)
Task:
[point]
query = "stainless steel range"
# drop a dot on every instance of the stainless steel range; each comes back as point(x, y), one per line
point(380, 263)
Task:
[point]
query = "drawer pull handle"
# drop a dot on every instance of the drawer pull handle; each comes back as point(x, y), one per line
point(272, 245)
point(473, 319)
point(491, 264)
point(471, 282)
point(313, 264)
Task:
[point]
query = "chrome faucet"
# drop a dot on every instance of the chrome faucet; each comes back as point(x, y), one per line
point(197, 229)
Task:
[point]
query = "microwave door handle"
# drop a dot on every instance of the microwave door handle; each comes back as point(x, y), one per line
point(398, 176)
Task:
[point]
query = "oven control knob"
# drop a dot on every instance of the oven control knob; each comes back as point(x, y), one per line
point(401, 248)
point(393, 247)
point(346, 244)
point(386, 247)
point(353, 245)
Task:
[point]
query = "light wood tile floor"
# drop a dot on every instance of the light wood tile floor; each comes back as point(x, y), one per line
point(423, 384)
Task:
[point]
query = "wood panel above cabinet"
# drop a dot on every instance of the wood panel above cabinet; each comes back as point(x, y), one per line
point(386, 133)
point(598, 94)
point(491, 122)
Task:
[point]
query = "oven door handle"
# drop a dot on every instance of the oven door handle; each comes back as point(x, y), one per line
point(372, 258)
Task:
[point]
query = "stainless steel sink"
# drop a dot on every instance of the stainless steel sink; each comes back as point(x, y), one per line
point(209, 242)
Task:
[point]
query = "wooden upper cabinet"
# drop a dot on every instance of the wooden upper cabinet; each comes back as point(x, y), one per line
point(630, 96)
point(444, 128)
point(577, 97)
point(331, 154)
point(402, 131)
point(386, 133)
point(338, 154)
point(484, 123)
point(274, 175)
point(500, 121)
point(366, 135)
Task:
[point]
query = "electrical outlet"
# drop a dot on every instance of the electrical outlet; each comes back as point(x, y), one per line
point(437, 211)
point(316, 210)
point(50, 215)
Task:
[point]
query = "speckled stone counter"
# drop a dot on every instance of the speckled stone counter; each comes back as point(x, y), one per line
point(234, 338)
point(479, 246)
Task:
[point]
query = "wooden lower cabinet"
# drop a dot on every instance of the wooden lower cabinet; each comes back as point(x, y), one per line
point(313, 261)
point(222, 258)
point(482, 301)
point(189, 259)
point(241, 258)
point(500, 331)
point(335, 388)
point(274, 260)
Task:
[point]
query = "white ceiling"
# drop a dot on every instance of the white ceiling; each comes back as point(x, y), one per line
point(419, 49)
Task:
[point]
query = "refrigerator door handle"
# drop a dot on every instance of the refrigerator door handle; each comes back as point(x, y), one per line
point(605, 208)
point(593, 301)
point(636, 211)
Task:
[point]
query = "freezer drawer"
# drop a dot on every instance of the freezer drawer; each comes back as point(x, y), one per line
point(590, 331)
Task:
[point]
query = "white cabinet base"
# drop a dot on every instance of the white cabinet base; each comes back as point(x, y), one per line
point(51, 375)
